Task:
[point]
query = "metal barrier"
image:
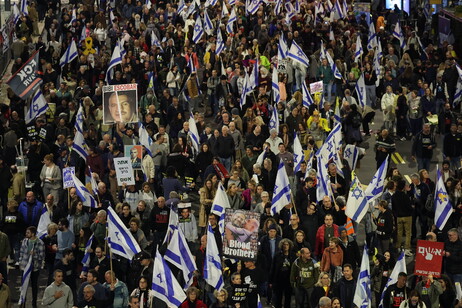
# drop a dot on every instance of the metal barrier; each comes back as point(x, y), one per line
point(6, 38)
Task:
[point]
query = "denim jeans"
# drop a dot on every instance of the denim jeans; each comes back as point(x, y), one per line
point(370, 95)
point(227, 163)
point(302, 297)
point(423, 163)
point(327, 91)
point(299, 79)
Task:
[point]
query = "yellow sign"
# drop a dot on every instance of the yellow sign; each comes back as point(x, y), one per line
point(89, 46)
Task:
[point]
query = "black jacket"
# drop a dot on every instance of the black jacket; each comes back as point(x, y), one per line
point(452, 263)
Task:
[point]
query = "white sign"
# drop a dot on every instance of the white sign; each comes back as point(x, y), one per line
point(124, 171)
point(67, 177)
point(316, 87)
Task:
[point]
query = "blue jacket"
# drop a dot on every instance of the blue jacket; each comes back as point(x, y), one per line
point(33, 218)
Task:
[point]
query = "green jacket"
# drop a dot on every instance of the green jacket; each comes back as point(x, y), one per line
point(434, 292)
point(327, 74)
point(303, 274)
point(4, 246)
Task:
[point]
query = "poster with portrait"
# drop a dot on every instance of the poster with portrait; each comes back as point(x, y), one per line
point(241, 234)
point(120, 103)
point(134, 152)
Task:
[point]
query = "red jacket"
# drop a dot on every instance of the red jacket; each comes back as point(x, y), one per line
point(199, 304)
point(319, 244)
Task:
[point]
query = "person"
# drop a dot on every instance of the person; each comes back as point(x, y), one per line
point(385, 225)
point(119, 298)
point(269, 247)
point(419, 192)
point(384, 146)
point(51, 178)
point(58, 294)
point(332, 259)
point(67, 265)
point(237, 290)
point(414, 301)
point(279, 278)
point(345, 288)
point(30, 209)
point(453, 255)
point(120, 108)
point(134, 302)
point(5, 250)
point(324, 233)
point(325, 302)
point(452, 146)
point(448, 297)
point(66, 238)
point(430, 289)
point(254, 277)
point(143, 293)
point(396, 293)
point(403, 214)
point(92, 279)
point(350, 248)
point(191, 299)
point(303, 276)
point(6, 299)
point(100, 263)
point(423, 146)
point(89, 299)
point(221, 299)
point(321, 289)
point(32, 247)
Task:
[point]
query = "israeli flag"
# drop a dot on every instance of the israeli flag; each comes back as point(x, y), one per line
point(213, 274)
point(458, 93)
point(259, 304)
point(323, 187)
point(296, 53)
point(44, 221)
point(25, 278)
point(252, 6)
point(208, 25)
point(351, 154)
point(219, 206)
point(73, 17)
point(231, 2)
point(211, 3)
point(179, 255)
point(172, 226)
point(297, 6)
point(331, 35)
point(376, 65)
point(24, 9)
point(356, 199)
point(359, 49)
point(116, 59)
point(274, 120)
point(232, 18)
point(254, 79)
point(290, 11)
point(224, 11)
point(38, 107)
point(299, 155)
point(155, 41)
point(330, 6)
point(16, 13)
point(421, 46)
point(145, 140)
point(83, 193)
point(198, 30)
point(283, 50)
point(191, 10)
point(309, 165)
point(111, 16)
point(148, 4)
point(275, 86)
point(333, 66)
point(277, 7)
point(193, 133)
point(363, 295)
point(398, 33)
point(190, 64)
point(372, 39)
point(331, 145)
point(165, 285)
point(375, 188)
point(87, 256)
point(70, 54)
point(400, 267)
point(345, 8)
point(83, 34)
point(339, 10)
point(361, 90)
point(246, 90)
point(220, 43)
point(322, 52)
point(307, 100)
point(79, 145)
point(281, 192)
point(181, 7)
point(94, 185)
point(120, 239)
point(443, 207)
point(79, 118)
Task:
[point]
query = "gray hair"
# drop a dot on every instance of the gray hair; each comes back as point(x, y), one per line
point(325, 302)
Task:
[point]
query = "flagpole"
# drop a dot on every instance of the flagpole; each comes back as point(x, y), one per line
point(110, 255)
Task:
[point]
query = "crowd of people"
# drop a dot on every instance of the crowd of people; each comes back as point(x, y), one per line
point(308, 254)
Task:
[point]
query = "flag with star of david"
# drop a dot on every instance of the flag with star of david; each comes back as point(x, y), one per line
point(38, 107)
point(296, 54)
point(361, 90)
point(443, 207)
point(355, 199)
point(252, 6)
point(231, 20)
point(198, 30)
point(274, 120)
point(220, 43)
point(119, 238)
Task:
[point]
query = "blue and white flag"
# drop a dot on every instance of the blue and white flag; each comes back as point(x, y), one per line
point(307, 100)
point(181, 6)
point(359, 49)
point(458, 93)
point(376, 65)
point(322, 52)
point(246, 90)
point(111, 16)
point(69, 55)
point(443, 207)
point(398, 33)
point(79, 118)
point(16, 13)
point(259, 304)
point(331, 145)
point(277, 7)
point(333, 66)
point(363, 295)
point(24, 9)
point(116, 59)
point(372, 38)
point(172, 226)
point(252, 6)
point(94, 185)
point(281, 192)
point(87, 256)
point(80, 146)
point(191, 10)
point(73, 17)
point(193, 133)
point(191, 66)
point(375, 188)
point(145, 140)
point(224, 11)
point(83, 193)
point(211, 3)
point(155, 41)
point(309, 164)
point(38, 106)
point(356, 200)
point(208, 25)
point(361, 90)
point(220, 43)
point(219, 206)
point(283, 50)
point(198, 30)
point(290, 11)
point(296, 53)
point(164, 284)
point(351, 154)
point(274, 120)
point(297, 6)
point(232, 18)
point(253, 80)
point(379, 49)
point(44, 221)
point(83, 34)
point(119, 238)
point(25, 279)
point(275, 86)
point(329, 5)
point(323, 187)
point(400, 267)
point(179, 255)
point(299, 154)
point(213, 274)
point(339, 10)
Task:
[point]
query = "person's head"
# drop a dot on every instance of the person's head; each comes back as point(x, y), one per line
point(453, 235)
point(63, 224)
point(143, 283)
point(272, 231)
point(426, 129)
point(326, 202)
point(325, 302)
point(134, 224)
point(213, 219)
point(333, 242)
point(323, 279)
point(383, 205)
point(415, 178)
point(414, 298)
point(221, 296)
point(120, 107)
point(311, 208)
point(160, 202)
point(52, 229)
point(336, 303)
point(192, 293)
point(58, 276)
point(92, 276)
point(329, 220)
point(101, 216)
point(68, 254)
point(236, 278)
point(305, 254)
point(402, 278)
point(30, 197)
point(134, 301)
point(431, 236)
point(109, 276)
point(348, 271)
point(88, 292)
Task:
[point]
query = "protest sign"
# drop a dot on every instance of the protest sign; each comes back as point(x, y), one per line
point(241, 234)
point(67, 177)
point(124, 171)
point(120, 104)
point(134, 153)
point(428, 258)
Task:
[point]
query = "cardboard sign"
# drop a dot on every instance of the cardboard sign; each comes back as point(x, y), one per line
point(67, 177)
point(135, 154)
point(316, 87)
point(428, 258)
point(124, 171)
point(241, 234)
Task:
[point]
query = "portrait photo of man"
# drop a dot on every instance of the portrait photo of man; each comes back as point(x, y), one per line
point(134, 152)
point(120, 106)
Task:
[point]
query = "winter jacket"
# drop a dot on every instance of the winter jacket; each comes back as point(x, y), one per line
point(303, 274)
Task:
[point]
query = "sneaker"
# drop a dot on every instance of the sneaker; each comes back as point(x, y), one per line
point(403, 139)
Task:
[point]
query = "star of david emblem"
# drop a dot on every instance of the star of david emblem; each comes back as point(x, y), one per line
point(300, 53)
point(348, 153)
point(442, 196)
point(275, 187)
point(329, 146)
point(295, 157)
point(80, 118)
point(255, 2)
point(35, 107)
point(117, 235)
point(272, 123)
point(198, 28)
point(357, 193)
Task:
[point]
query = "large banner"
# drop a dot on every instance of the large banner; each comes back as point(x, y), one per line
point(124, 171)
point(134, 152)
point(28, 78)
point(120, 103)
point(241, 234)
point(428, 258)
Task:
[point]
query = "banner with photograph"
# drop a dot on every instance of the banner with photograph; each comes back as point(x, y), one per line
point(428, 258)
point(120, 103)
point(241, 234)
point(124, 171)
point(135, 153)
